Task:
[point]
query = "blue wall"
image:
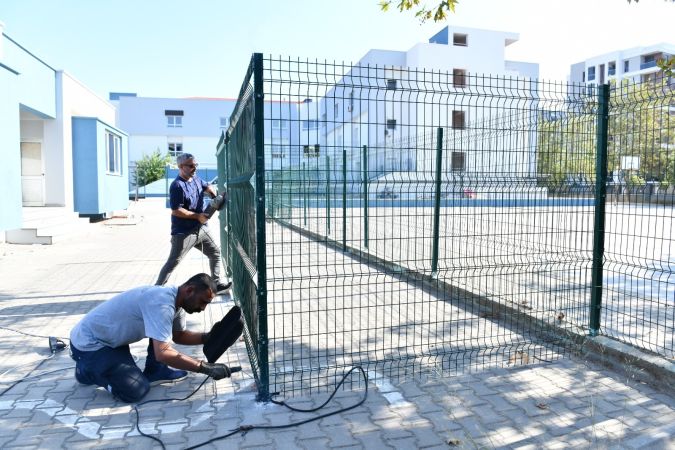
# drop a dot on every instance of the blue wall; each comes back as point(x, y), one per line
point(95, 191)
point(10, 154)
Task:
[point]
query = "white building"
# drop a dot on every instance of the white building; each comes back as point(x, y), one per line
point(635, 64)
point(173, 125)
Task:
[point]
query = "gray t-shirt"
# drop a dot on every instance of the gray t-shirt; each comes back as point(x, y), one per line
point(146, 311)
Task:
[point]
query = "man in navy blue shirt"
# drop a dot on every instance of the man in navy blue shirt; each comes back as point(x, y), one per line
point(189, 227)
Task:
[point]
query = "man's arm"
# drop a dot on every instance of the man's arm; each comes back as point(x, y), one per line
point(187, 214)
point(185, 337)
point(212, 192)
point(166, 354)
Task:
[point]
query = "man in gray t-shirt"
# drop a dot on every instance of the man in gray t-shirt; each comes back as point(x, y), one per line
point(100, 341)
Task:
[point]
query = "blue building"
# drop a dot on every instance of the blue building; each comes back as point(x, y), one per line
point(48, 154)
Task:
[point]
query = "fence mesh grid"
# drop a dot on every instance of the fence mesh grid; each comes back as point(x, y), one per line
point(426, 221)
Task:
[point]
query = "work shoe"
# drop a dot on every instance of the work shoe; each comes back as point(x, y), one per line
point(223, 288)
point(81, 377)
point(161, 373)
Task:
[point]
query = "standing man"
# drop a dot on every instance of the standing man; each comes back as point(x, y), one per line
point(188, 222)
point(100, 341)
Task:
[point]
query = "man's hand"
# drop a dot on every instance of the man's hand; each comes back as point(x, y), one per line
point(214, 370)
point(203, 218)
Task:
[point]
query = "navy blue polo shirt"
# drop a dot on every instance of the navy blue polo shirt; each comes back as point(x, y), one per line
point(188, 195)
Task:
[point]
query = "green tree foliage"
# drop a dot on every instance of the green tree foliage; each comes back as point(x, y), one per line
point(151, 167)
point(438, 12)
point(641, 124)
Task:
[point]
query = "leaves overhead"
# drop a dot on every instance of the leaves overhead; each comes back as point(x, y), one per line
point(437, 13)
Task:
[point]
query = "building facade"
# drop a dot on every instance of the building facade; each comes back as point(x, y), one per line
point(635, 64)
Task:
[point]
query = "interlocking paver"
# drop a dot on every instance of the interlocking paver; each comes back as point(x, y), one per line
point(581, 405)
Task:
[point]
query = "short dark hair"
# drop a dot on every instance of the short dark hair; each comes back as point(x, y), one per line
point(201, 282)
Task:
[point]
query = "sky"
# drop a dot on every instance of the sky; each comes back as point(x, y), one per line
point(201, 48)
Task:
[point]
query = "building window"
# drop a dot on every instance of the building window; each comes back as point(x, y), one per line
point(611, 68)
point(591, 73)
point(583, 76)
point(458, 119)
point(174, 118)
point(113, 153)
point(458, 162)
point(336, 108)
point(458, 77)
point(279, 124)
point(460, 39)
point(391, 124)
point(310, 124)
point(323, 120)
point(311, 151)
point(626, 66)
point(224, 122)
point(175, 149)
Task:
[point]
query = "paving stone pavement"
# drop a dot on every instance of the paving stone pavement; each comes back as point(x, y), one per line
point(45, 290)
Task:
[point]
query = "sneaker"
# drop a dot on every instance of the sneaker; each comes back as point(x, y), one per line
point(162, 373)
point(223, 288)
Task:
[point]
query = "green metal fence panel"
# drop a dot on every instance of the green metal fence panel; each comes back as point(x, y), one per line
point(470, 207)
point(639, 284)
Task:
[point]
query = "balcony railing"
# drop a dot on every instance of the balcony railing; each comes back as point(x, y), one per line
point(648, 64)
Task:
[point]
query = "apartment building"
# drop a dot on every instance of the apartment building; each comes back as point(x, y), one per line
point(635, 64)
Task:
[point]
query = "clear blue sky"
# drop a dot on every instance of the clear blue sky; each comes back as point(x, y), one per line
point(172, 48)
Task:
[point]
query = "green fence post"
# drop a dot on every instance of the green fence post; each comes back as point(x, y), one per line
point(344, 198)
point(304, 192)
point(600, 202)
point(437, 202)
point(365, 196)
point(261, 260)
point(327, 195)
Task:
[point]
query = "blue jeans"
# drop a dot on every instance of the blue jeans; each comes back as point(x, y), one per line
point(113, 369)
point(181, 244)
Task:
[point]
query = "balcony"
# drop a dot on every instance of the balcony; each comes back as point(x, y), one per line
point(648, 64)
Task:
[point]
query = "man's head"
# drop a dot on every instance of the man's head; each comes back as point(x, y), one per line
point(196, 293)
point(187, 164)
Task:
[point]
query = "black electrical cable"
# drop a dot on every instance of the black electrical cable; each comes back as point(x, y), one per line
point(31, 334)
point(246, 428)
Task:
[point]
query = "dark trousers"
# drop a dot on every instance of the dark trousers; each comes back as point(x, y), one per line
point(113, 369)
point(181, 244)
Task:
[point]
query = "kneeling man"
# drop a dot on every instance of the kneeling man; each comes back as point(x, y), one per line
point(100, 341)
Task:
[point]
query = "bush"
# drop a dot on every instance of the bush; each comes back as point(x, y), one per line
point(151, 168)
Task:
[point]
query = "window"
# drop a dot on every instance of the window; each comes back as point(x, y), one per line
point(583, 76)
point(611, 68)
point(224, 122)
point(311, 151)
point(458, 161)
point(626, 66)
point(391, 124)
point(591, 73)
point(279, 124)
point(458, 119)
point(113, 153)
point(175, 148)
point(312, 124)
point(323, 120)
point(458, 77)
point(459, 39)
point(336, 108)
point(174, 118)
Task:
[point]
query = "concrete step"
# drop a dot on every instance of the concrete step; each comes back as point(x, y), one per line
point(47, 226)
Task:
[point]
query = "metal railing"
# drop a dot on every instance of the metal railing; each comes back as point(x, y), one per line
point(425, 226)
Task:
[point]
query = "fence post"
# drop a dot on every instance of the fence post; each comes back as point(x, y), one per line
point(304, 193)
point(344, 198)
point(365, 196)
point(261, 262)
point(600, 201)
point(327, 195)
point(437, 202)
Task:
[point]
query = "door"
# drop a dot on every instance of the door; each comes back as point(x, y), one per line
point(32, 174)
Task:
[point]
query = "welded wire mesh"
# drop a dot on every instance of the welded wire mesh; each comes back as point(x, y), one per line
point(421, 221)
point(639, 297)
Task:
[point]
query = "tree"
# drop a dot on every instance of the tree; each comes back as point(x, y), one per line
point(441, 10)
point(151, 167)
